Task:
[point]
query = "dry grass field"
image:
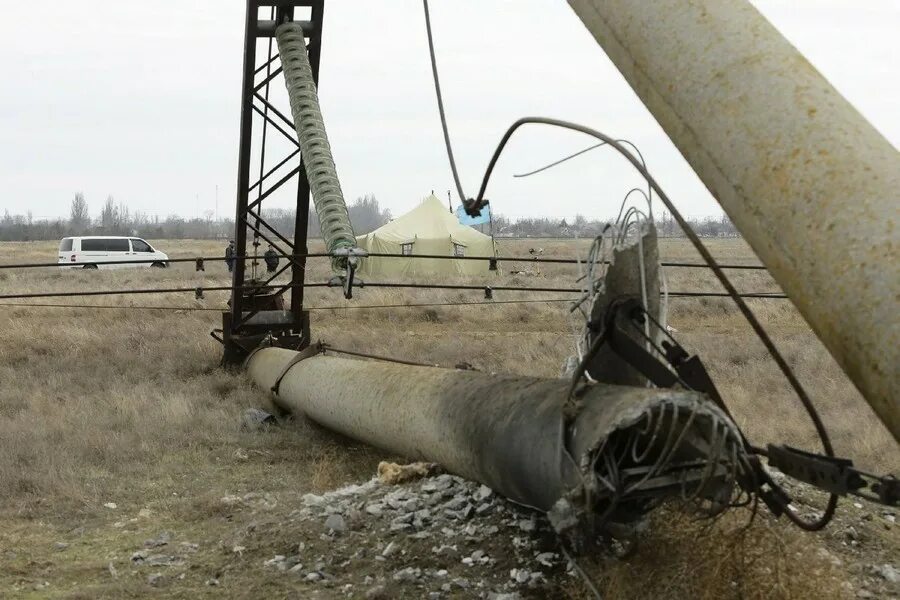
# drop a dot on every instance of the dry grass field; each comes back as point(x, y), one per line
point(130, 406)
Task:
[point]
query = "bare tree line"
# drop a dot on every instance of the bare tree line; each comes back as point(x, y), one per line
point(366, 214)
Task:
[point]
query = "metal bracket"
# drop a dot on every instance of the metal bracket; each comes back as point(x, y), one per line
point(312, 350)
point(350, 265)
point(834, 475)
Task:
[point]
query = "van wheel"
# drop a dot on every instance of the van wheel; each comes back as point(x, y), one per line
point(89, 267)
point(159, 265)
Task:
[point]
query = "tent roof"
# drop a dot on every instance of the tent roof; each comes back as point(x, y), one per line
point(430, 220)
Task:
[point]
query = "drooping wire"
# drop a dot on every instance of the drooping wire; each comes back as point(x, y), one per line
point(649, 193)
point(475, 205)
point(440, 101)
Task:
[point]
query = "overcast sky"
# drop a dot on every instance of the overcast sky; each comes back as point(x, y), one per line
point(140, 100)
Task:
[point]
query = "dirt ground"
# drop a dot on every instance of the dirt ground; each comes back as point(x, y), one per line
point(121, 434)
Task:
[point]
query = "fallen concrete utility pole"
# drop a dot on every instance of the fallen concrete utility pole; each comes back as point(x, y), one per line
point(623, 446)
point(810, 184)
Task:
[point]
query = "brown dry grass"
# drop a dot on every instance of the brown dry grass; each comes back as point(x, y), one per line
point(130, 407)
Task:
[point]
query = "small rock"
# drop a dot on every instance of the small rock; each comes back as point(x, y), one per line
point(408, 574)
point(212, 582)
point(375, 509)
point(254, 419)
point(888, 572)
point(313, 576)
point(155, 579)
point(483, 508)
point(378, 592)
point(241, 454)
point(335, 524)
point(296, 569)
point(145, 513)
point(456, 503)
point(390, 549)
point(274, 562)
point(161, 540)
point(163, 560)
point(60, 545)
point(504, 596)
point(546, 558)
point(520, 575)
point(111, 505)
point(526, 525)
point(482, 493)
point(112, 571)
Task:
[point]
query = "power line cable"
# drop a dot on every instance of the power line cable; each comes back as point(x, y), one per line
point(440, 101)
point(204, 259)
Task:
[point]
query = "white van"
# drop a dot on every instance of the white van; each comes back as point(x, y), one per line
point(91, 252)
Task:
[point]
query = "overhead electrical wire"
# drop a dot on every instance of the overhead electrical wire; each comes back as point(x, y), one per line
point(205, 259)
point(440, 101)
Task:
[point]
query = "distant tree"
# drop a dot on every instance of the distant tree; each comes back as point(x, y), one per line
point(79, 218)
point(366, 214)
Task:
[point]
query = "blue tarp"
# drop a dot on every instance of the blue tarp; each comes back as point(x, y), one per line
point(465, 219)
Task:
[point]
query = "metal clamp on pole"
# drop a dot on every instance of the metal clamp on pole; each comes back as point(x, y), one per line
point(345, 280)
point(312, 350)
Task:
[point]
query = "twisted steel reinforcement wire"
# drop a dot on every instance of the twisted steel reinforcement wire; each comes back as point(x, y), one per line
point(475, 206)
point(328, 197)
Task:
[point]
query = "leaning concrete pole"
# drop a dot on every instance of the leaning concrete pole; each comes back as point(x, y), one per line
point(812, 185)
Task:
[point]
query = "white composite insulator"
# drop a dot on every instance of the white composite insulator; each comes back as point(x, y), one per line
point(328, 198)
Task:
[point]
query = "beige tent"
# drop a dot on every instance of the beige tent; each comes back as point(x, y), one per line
point(429, 228)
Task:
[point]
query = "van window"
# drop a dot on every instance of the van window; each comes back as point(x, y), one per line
point(117, 245)
point(140, 246)
point(94, 245)
point(65, 245)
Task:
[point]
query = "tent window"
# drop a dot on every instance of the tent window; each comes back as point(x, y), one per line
point(459, 250)
point(406, 249)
